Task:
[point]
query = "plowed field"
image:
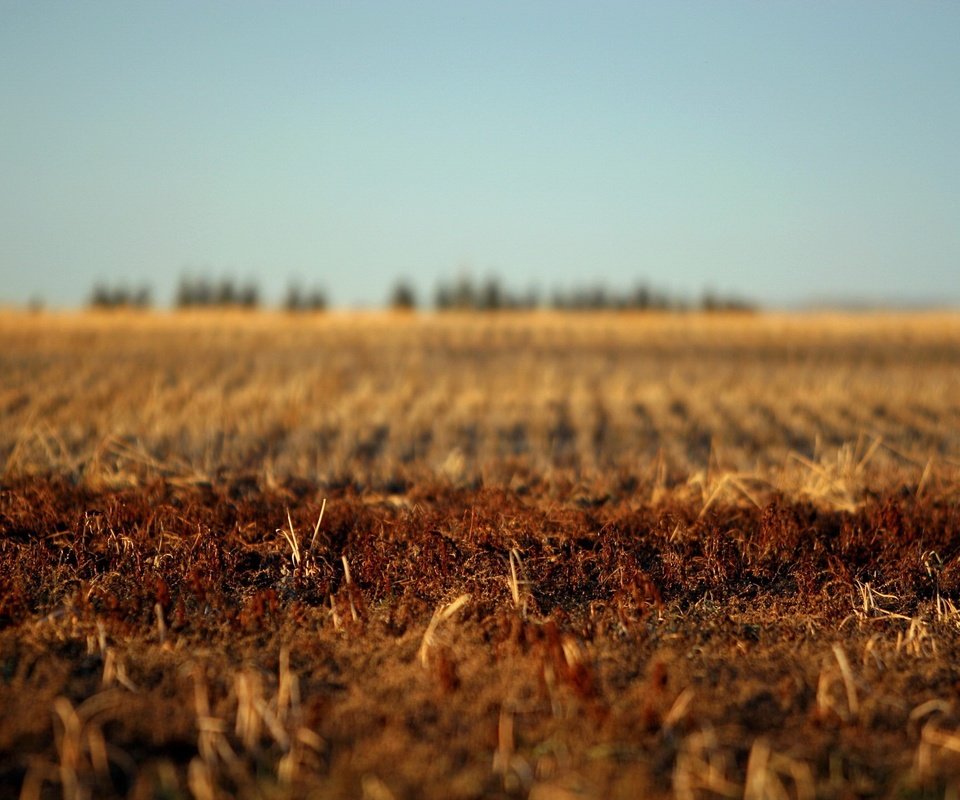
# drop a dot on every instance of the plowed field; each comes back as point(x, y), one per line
point(544, 556)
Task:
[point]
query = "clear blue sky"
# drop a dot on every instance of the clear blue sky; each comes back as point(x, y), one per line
point(780, 150)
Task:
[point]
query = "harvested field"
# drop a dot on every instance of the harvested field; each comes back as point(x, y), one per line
point(538, 556)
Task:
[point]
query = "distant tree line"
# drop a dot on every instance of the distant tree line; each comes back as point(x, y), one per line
point(715, 302)
point(490, 295)
point(226, 293)
point(298, 299)
point(197, 293)
point(464, 294)
point(599, 298)
point(109, 297)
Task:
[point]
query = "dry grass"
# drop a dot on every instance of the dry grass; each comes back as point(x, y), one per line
point(533, 555)
point(736, 406)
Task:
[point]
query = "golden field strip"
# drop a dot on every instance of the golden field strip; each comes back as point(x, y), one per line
point(826, 404)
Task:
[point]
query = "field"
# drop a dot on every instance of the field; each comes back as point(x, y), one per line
point(536, 555)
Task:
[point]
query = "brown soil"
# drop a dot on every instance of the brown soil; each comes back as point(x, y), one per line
point(172, 641)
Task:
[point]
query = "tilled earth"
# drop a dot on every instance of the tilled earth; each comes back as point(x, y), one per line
point(293, 641)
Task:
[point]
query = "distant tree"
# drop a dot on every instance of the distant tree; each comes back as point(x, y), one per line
point(248, 296)
point(183, 298)
point(641, 298)
point(101, 296)
point(295, 300)
point(226, 293)
point(464, 295)
point(403, 297)
point(443, 299)
point(204, 293)
point(122, 297)
point(142, 297)
point(317, 301)
point(596, 299)
point(492, 296)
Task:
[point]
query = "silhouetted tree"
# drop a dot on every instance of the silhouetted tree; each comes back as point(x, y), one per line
point(100, 297)
point(317, 301)
point(248, 296)
point(443, 299)
point(183, 297)
point(226, 293)
point(492, 297)
point(294, 301)
point(464, 294)
point(403, 297)
point(142, 297)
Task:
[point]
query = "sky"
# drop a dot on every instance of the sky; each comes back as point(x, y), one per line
point(788, 152)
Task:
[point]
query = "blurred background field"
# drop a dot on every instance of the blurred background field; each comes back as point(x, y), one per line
point(735, 405)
